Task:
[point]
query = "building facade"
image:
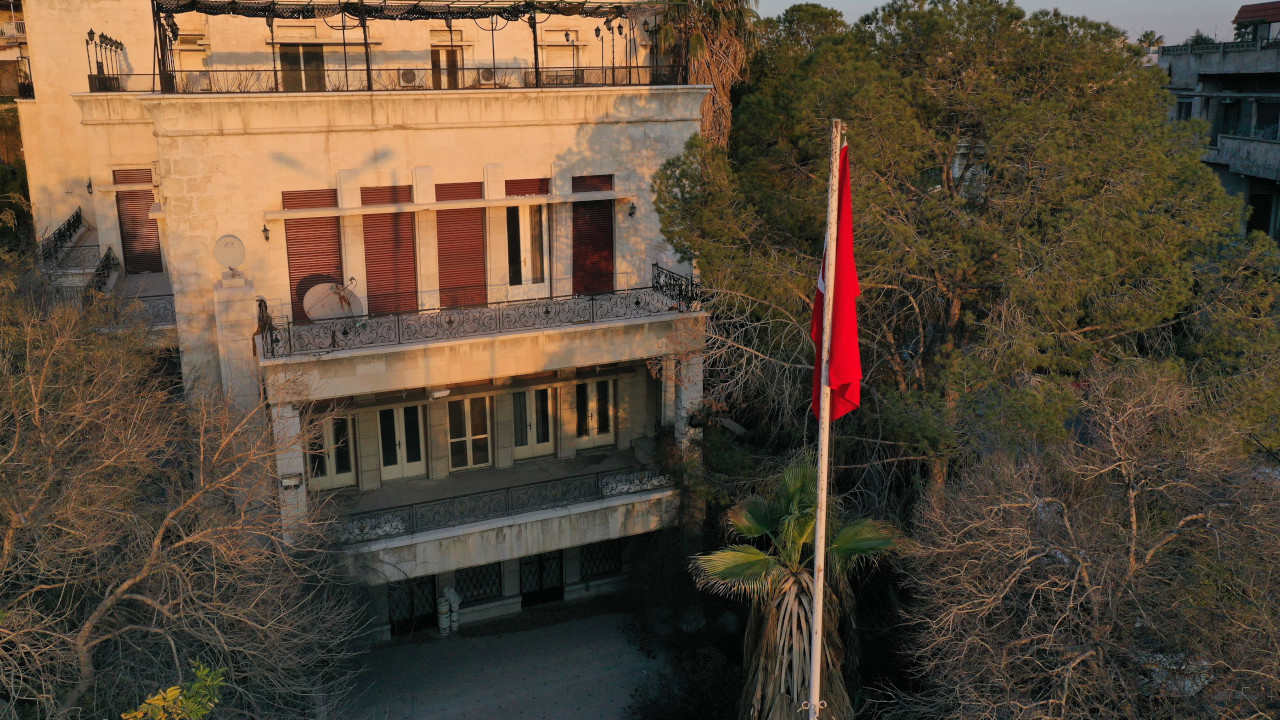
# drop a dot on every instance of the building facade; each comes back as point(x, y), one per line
point(1235, 87)
point(424, 236)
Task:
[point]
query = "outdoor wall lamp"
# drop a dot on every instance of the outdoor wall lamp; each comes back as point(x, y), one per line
point(645, 27)
point(91, 35)
point(567, 40)
point(597, 32)
point(266, 234)
point(631, 211)
point(89, 186)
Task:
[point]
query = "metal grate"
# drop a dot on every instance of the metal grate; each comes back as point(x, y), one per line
point(477, 584)
point(411, 605)
point(601, 559)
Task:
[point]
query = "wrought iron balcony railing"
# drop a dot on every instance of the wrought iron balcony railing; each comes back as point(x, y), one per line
point(268, 80)
point(56, 244)
point(463, 509)
point(669, 293)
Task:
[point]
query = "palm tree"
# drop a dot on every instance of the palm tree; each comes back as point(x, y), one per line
point(771, 570)
point(1150, 40)
point(711, 39)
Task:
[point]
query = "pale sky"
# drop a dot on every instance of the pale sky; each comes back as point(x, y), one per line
point(1175, 19)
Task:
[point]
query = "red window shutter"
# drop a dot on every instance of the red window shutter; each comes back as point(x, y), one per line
point(460, 191)
point(592, 247)
point(529, 186)
point(303, 199)
point(314, 245)
point(460, 255)
point(132, 176)
point(315, 257)
point(390, 263)
point(386, 195)
point(592, 183)
point(139, 234)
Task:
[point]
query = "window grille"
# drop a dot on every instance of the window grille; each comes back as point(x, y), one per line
point(480, 583)
point(411, 605)
point(601, 559)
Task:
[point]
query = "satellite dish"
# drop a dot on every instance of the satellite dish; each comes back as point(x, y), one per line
point(228, 251)
point(327, 301)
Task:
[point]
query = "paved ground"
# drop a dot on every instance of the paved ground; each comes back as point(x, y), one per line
point(581, 667)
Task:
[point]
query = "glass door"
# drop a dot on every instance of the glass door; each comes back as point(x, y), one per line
point(469, 433)
point(527, 233)
point(532, 412)
point(401, 445)
point(595, 414)
point(331, 455)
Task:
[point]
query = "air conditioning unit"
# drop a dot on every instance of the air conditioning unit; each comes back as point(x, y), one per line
point(486, 75)
point(412, 78)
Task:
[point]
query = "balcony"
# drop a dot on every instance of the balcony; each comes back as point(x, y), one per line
point(268, 80)
point(670, 293)
point(416, 506)
point(1254, 152)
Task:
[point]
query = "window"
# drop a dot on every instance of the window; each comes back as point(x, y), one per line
point(390, 254)
point(531, 414)
point(313, 246)
point(139, 232)
point(411, 605)
point(302, 68)
point(468, 433)
point(602, 559)
point(477, 584)
point(460, 250)
point(446, 59)
point(401, 450)
point(331, 454)
point(1184, 110)
point(595, 413)
point(526, 245)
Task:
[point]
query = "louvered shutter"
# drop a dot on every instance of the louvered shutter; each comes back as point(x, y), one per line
point(460, 247)
point(314, 246)
point(592, 247)
point(139, 234)
point(529, 186)
point(391, 272)
point(592, 183)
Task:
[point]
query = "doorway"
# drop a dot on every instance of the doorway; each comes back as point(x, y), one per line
point(595, 426)
point(542, 578)
point(532, 412)
point(302, 68)
point(400, 442)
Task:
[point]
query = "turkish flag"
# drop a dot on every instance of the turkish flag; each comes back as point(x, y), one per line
point(846, 362)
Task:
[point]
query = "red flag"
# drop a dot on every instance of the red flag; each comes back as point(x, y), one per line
point(846, 362)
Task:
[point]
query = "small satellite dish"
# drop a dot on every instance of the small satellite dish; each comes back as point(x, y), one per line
point(327, 301)
point(228, 251)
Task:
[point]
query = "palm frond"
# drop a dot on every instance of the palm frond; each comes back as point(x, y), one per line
point(755, 516)
point(739, 571)
point(863, 538)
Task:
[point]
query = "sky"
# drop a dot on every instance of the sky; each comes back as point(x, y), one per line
point(1174, 19)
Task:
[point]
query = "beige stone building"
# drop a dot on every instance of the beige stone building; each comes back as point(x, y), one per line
point(429, 224)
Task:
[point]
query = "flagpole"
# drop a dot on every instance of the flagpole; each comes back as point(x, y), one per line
point(824, 427)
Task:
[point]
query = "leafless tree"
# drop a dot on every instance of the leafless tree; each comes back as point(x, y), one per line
point(1132, 573)
point(141, 530)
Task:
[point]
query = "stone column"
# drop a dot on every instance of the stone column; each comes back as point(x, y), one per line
point(369, 469)
point(669, 390)
point(286, 426)
point(236, 317)
point(503, 431)
point(567, 413)
point(438, 439)
point(688, 397)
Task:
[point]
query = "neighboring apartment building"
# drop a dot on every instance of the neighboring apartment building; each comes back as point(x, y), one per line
point(462, 267)
point(1235, 86)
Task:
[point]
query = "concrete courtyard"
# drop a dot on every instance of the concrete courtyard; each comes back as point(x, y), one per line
point(551, 663)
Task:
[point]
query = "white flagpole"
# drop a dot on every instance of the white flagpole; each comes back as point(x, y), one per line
point(824, 426)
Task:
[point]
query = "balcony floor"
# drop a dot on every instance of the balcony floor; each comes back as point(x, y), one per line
point(399, 493)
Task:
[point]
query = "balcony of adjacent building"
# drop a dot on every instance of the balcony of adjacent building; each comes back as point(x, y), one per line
point(359, 47)
point(79, 271)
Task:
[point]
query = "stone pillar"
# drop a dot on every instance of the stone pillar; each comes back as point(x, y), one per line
point(630, 409)
point(438, 440)
point(368, 467)
point(561, 241)
point(572, 564)
point(511, 578)
point(567, 413)
point(688, 397)
point(669, 390)
point(495, 231)
point(503, 431)
point(236, 317)
point(286, 426)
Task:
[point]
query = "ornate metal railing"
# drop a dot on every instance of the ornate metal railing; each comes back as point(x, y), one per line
point(159, 310)
point(55, 244)
point(463, 509)
point(80, 257)
point(670, 293)
point(102, 273)
point(266, 80)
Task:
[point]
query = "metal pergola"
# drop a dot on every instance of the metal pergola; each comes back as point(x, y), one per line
point(166, 29)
